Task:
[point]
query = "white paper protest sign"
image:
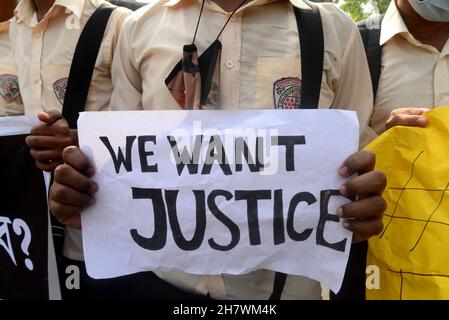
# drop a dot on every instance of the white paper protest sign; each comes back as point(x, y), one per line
point(213, 192)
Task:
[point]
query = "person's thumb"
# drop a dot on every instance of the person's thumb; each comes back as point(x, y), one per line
point(49, 117)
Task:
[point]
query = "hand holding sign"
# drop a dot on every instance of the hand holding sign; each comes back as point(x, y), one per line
point(72, 188)
point(364, 216)
point(47, 140)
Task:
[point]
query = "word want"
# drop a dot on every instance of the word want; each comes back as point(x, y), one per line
point(215, 152)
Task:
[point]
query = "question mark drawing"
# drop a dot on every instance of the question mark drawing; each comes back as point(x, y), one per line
point(18, 226)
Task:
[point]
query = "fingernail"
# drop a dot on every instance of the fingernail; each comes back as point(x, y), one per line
point(42, 114)
point(90, 172)
point(421, 121)
point(93, 187)
point(343, 171)
point(343, 190)
point(345, 224)
point(340, 212)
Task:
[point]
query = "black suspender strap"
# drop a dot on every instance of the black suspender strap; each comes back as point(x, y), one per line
point(374, 54)
point(370, 32)
point(311, 37)
point(83, 64)
point(81, 70)
point(353, 286)
point(278, 285)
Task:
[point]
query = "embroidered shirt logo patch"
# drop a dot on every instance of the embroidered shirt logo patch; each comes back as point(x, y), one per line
point(9, 87)
point(60, 87)
point(287, 93)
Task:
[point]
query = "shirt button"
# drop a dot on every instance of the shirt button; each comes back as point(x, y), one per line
point(229, 64)
point(36, 80)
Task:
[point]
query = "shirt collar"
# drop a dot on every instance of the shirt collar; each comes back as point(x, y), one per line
point(25, 10)
point(392, 24)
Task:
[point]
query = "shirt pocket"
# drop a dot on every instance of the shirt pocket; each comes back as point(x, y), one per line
point(10, 97)
point(278, 83)
point(54, 86)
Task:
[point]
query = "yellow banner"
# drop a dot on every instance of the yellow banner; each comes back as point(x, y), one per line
point(412, 252)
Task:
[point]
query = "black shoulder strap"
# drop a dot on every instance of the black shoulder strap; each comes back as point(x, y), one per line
point(311, 38)
point(130, 4)
point(370, 32)
point(83, 64)
point(353, 286)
